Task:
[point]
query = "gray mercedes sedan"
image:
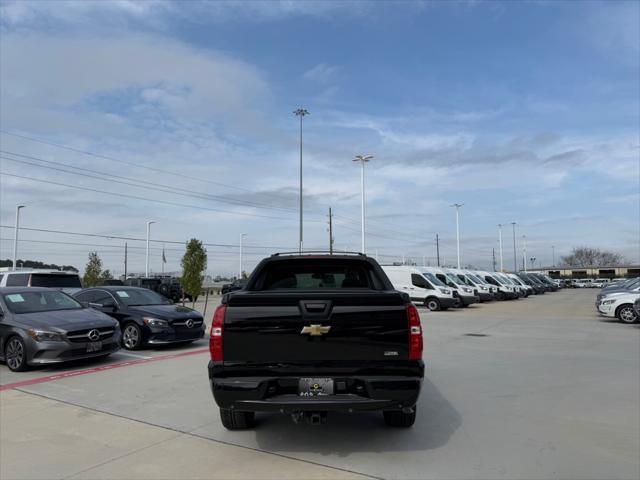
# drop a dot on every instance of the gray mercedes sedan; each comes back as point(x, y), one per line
point(42, 326)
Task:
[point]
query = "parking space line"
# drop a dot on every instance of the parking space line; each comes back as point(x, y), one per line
point(127, 354)
point(86, 371)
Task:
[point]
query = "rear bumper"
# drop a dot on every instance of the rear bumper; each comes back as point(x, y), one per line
point(279, 394)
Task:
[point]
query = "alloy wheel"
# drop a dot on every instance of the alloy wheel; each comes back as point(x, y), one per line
point(131, 337)
point(15, 354)
point(627, 315)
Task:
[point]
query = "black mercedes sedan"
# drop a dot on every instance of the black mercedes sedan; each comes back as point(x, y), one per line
point(145, 316)
point(42, 326)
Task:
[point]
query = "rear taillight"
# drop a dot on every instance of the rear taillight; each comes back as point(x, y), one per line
point(415, 333)
point(215, 339)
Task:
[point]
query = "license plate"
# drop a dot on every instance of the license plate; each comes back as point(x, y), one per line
point(94, 347)
point(315, 387)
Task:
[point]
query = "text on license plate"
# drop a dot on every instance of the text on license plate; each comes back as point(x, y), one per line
point(94, 347)
point(315, 387)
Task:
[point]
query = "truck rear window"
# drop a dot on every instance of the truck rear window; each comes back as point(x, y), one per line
point(318, 275)
point(53, 280)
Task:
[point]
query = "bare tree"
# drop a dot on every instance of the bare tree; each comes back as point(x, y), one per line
point(591, 257)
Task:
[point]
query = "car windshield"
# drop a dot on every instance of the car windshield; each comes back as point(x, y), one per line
point(498, 279)
point(507, 280)
point(455, 280)
point(433, 279)
point(55, 280)
point(477, 279)
point(32, 302)
point(134, 297)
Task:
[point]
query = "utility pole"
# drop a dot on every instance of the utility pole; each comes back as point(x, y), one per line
point(242, 235)
point(438, 249)
point(501, 264)
point(300, 112)
point(362, 159)
point(553, 254)
point(15, 238)
point(494, 259)
point(146, 269)
point(524, 253)
point(457, 206)
point(330, 232)
point(515, 261)
point(125, 260)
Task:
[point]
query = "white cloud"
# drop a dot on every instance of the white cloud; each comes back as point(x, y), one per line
point(322, 73)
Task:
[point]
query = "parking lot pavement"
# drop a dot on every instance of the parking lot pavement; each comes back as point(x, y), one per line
point(94, 445)
point(533, 388)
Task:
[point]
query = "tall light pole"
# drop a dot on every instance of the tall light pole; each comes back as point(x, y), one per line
point(242, 235)
point(457, 206)
point(515, 258)
point(362, 159)
point(300, 112)
point(146, 263)
point(553, 254)
point(500, 233)
point(524, 252)
point(15, 238)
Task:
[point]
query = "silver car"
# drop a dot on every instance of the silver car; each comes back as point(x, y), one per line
point(43, 326)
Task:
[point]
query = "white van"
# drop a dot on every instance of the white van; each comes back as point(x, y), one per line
point(480, 287)
point(465, 293)
point(424, 288)
point(505, 290)
point(68, 282)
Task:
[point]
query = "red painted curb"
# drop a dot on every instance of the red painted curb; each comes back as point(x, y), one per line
point(86, 371)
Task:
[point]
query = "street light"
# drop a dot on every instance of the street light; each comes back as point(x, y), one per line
point(242, 235)
point(533, 262)
point(300, 112)
point(15, 238)
point(500, 231)
point(553, 254)
point(146, 267)
point(515, 259)
point(524, 252)
point(362, 159)
point(457, 206)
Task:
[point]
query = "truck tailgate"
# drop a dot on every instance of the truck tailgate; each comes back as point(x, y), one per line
point(298, 327)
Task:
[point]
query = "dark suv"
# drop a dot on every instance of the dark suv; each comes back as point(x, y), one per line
point(167, 286)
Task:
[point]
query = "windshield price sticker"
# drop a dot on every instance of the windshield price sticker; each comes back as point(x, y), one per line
point(15, 298)
point(122, 294)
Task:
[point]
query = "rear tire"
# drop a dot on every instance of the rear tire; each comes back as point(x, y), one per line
point(432, 304)
point(232, 420)
point(399, 419)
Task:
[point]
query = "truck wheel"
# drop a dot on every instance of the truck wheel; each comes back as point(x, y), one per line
point(397, 418)
point(432, 304)
point(164, 290)
point(232, 420)
point(458, 303)
point(626, 314)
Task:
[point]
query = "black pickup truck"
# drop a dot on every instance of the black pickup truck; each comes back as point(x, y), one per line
point(310, 334)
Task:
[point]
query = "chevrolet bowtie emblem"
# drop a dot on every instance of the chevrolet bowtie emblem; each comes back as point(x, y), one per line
point(315, 330)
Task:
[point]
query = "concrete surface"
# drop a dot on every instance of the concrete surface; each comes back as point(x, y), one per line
point(550, 391)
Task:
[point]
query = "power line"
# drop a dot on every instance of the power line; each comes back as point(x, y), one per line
point(120, 237)
point(162, 187)
point(135, 197)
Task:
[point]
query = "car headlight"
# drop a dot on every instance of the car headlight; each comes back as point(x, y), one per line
point(468, 290)
point(607, 302)
point(45, 336)
point(444, 290)
point(155, 322)
point(482, 287)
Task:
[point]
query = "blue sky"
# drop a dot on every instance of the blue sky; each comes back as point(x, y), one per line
point(523, 111)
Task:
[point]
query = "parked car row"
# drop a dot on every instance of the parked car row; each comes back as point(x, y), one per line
point(46, 317)
point(620, 300)
point(442, 288)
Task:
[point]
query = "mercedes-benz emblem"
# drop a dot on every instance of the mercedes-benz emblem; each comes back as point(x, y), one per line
point(94, 335)
point(189, 323)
